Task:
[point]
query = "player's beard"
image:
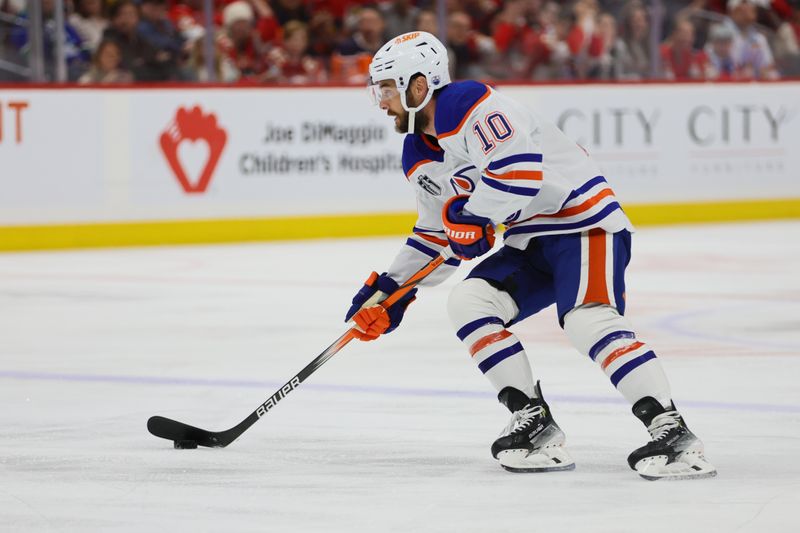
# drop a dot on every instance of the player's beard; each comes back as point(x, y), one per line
point(420, 120)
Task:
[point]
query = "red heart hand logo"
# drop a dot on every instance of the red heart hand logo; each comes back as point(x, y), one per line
point(192, 125)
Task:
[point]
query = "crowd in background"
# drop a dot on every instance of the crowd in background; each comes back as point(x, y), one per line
point(317, 41)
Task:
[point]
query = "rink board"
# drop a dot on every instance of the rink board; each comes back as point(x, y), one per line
point(107, 167)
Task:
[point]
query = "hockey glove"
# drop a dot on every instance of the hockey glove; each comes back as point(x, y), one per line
point(470, 235)
point(372, 319)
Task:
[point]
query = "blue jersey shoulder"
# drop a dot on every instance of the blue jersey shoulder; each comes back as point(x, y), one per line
point(454, 103)
point(418, 148)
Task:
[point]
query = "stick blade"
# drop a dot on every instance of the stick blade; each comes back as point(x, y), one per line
point(169, 429)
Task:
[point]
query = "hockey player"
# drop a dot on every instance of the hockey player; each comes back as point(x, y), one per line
point(478, 159)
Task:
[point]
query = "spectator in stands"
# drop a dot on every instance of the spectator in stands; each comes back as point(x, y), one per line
point(399, 16)
point(634, 61)
point(351, 61)
point(511, 32)
point(787, 48)
point(122, 30)
point(195, 68)
point(751, 50)
point(286, 10)
point(189, 19)
point(241, 43)
point(369, 35)
point(679, 60)
point(719, 51)
point(89, 21)
point(107, 66)
point(469, 51)
point(482, 13)
point(77, 55)
point(585, 43)
point(611, 48)
point(552, 60)
point(166, 43)
point(427, 21)
point(13, 7)
point(323, 35)
point(697, 11)
point(290, 62)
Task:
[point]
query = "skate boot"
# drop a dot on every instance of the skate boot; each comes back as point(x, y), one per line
point(532, 441)
point(674, 452)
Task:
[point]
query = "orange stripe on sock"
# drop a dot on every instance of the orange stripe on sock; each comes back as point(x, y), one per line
point(596, 290)
point(616, 354)
point(483, 342)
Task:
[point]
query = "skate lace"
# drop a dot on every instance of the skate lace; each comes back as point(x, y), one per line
point(662, 423)
point(522, 419)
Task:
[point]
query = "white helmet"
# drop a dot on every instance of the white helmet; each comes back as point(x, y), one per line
point(404, 56)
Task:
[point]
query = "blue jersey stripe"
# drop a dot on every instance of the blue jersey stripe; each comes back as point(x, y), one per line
point(628, 367)
point(430, 252)
point(488, 363)
point(500, 186)
point(608, 339)
point(517, 230)
point(472, 327)
point(518, 158)
point(585, 187)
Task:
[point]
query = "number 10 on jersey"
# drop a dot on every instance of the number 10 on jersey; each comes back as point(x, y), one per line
point(499, 127)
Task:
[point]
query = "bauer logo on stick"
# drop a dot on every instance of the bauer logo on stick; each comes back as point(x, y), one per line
point(278, 396)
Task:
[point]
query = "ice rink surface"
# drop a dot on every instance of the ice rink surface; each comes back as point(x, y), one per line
point(387, 436)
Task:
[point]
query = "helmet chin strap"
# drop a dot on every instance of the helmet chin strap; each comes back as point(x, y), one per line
point(412, 111)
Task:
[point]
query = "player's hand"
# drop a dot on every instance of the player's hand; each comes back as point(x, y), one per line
point(371, 319)
point(470, 235)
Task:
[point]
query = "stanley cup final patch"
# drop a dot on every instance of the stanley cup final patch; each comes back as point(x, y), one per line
point(430, 186)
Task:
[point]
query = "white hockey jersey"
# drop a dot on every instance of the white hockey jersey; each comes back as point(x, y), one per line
point(533, 178)
point(518, 168)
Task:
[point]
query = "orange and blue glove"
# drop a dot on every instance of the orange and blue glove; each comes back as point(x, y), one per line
point(470, 235)
point(372, 319)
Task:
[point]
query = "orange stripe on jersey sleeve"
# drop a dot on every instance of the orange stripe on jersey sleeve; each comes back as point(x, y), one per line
point(492, 338)
point(466, 116)
point(415, 167)
point(596, 290)
point(516, 175)
point(434, 240)
point(616, 354)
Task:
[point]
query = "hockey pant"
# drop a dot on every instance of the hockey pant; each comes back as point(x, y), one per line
point(584, 275)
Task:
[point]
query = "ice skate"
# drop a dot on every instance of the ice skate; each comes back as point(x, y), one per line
point(674, 453)
point(532, 441)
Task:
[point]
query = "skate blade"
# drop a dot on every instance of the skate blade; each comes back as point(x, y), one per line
point(687, 466)
point(677, 477)
point(554, 459)
point(536, 470)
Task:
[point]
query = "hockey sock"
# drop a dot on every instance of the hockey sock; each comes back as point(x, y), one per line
point(607, 337)
point(478, 312)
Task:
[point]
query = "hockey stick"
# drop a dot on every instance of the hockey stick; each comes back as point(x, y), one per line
point(186, 436)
